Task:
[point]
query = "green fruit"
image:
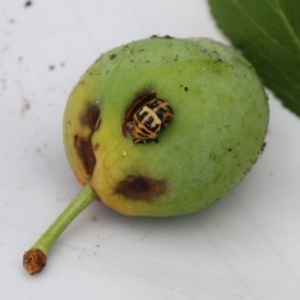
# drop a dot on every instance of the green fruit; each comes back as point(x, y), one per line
point(221, 117)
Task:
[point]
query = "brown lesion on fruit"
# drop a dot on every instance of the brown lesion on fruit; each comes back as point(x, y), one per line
point(91, 118)
point(136, 104)
point(141, 188)
point(85, 151)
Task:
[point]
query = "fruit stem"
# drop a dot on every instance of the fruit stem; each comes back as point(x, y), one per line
point(35, 259)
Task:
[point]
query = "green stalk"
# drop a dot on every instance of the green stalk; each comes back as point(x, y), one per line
point(35, 259)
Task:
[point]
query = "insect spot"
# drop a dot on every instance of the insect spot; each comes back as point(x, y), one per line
point(146, 118)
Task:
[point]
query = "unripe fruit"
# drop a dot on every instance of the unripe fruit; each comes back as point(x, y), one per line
point(221, 117)
point(220, 121)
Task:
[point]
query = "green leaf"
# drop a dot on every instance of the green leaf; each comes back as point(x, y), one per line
point(268, 33)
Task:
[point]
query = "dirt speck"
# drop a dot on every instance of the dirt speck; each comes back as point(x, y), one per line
point(51, 67)
point(25, 107)
point(28, 3)
point(3, 84)
point(113, 56)
point(263, 147)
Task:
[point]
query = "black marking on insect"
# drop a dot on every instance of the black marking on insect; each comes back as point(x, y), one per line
point(149, 120)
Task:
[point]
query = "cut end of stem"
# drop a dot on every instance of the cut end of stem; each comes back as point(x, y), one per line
point(34, 261)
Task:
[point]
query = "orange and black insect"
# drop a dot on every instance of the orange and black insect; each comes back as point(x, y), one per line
point(150, 120)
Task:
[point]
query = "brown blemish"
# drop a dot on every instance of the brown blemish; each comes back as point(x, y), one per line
point(141, 188)
point(186, 89)
point(112, 56)
point(86, 153)
point(137, 103)
point(91, 117)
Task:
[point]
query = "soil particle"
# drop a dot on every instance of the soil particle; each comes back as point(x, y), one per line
point(28, 3)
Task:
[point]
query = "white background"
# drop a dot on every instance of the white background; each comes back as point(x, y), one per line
point(246, 246)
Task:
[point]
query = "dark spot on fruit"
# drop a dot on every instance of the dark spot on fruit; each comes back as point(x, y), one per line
point(112, 56)
point(217, 60)
point(91, 117)
point(96, 147)
point(85, 151)
point(186, 89)
point(141, 188)
point(229, 149)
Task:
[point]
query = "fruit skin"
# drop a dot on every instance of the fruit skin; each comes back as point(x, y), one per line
point(221, 118)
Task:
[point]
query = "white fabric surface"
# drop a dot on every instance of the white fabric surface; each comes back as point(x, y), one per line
point(246, 246)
